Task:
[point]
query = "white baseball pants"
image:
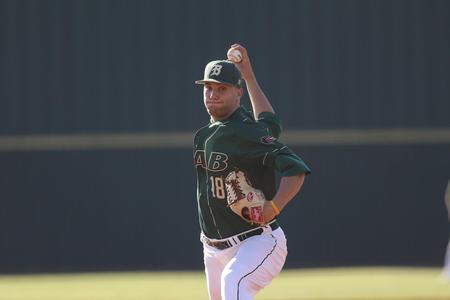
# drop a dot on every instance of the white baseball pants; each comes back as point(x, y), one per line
point(239, 272)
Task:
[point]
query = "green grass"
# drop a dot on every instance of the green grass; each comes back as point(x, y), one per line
point(311, 284)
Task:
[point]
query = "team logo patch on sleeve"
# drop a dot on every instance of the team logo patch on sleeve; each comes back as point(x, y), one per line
point(268, 139)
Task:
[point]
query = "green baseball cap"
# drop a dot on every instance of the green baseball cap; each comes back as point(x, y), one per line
point(221, 71)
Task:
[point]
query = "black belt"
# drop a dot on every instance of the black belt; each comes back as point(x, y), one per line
point(241, 237)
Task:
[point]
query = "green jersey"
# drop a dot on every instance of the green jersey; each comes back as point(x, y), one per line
point(242, 143)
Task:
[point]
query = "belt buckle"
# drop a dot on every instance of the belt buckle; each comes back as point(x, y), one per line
point(222, 245)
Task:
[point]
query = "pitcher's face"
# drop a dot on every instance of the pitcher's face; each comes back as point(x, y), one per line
point(221, 100)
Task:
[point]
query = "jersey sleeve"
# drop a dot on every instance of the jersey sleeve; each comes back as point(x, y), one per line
point(285, 161)
point(271, 122)
point(271, 153)
point(288, 163)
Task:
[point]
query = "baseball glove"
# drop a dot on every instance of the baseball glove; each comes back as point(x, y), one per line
point(244, 200)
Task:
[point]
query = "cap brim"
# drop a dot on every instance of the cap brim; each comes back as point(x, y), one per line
point(203, 81)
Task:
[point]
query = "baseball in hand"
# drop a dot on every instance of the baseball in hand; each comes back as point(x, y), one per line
point(234, 55)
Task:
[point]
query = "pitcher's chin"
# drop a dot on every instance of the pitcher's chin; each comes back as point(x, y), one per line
point(212, 109)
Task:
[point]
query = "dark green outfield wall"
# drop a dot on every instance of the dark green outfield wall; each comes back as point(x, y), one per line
point(96, 67)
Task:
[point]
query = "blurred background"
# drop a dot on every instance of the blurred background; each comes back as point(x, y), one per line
point(98, 107)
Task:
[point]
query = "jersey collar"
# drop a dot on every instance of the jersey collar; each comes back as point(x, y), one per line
point(239, 113)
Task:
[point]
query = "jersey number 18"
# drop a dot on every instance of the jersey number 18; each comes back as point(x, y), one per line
point(217, 187)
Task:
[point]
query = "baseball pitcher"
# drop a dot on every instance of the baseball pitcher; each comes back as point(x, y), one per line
point(236, 156)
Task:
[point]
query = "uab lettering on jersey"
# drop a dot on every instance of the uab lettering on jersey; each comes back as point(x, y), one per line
point(216, 162)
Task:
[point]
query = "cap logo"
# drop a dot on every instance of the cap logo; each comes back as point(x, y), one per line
point(215, 71)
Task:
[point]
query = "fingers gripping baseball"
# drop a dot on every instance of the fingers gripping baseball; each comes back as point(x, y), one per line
point(234, 55)
point(239, 56)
